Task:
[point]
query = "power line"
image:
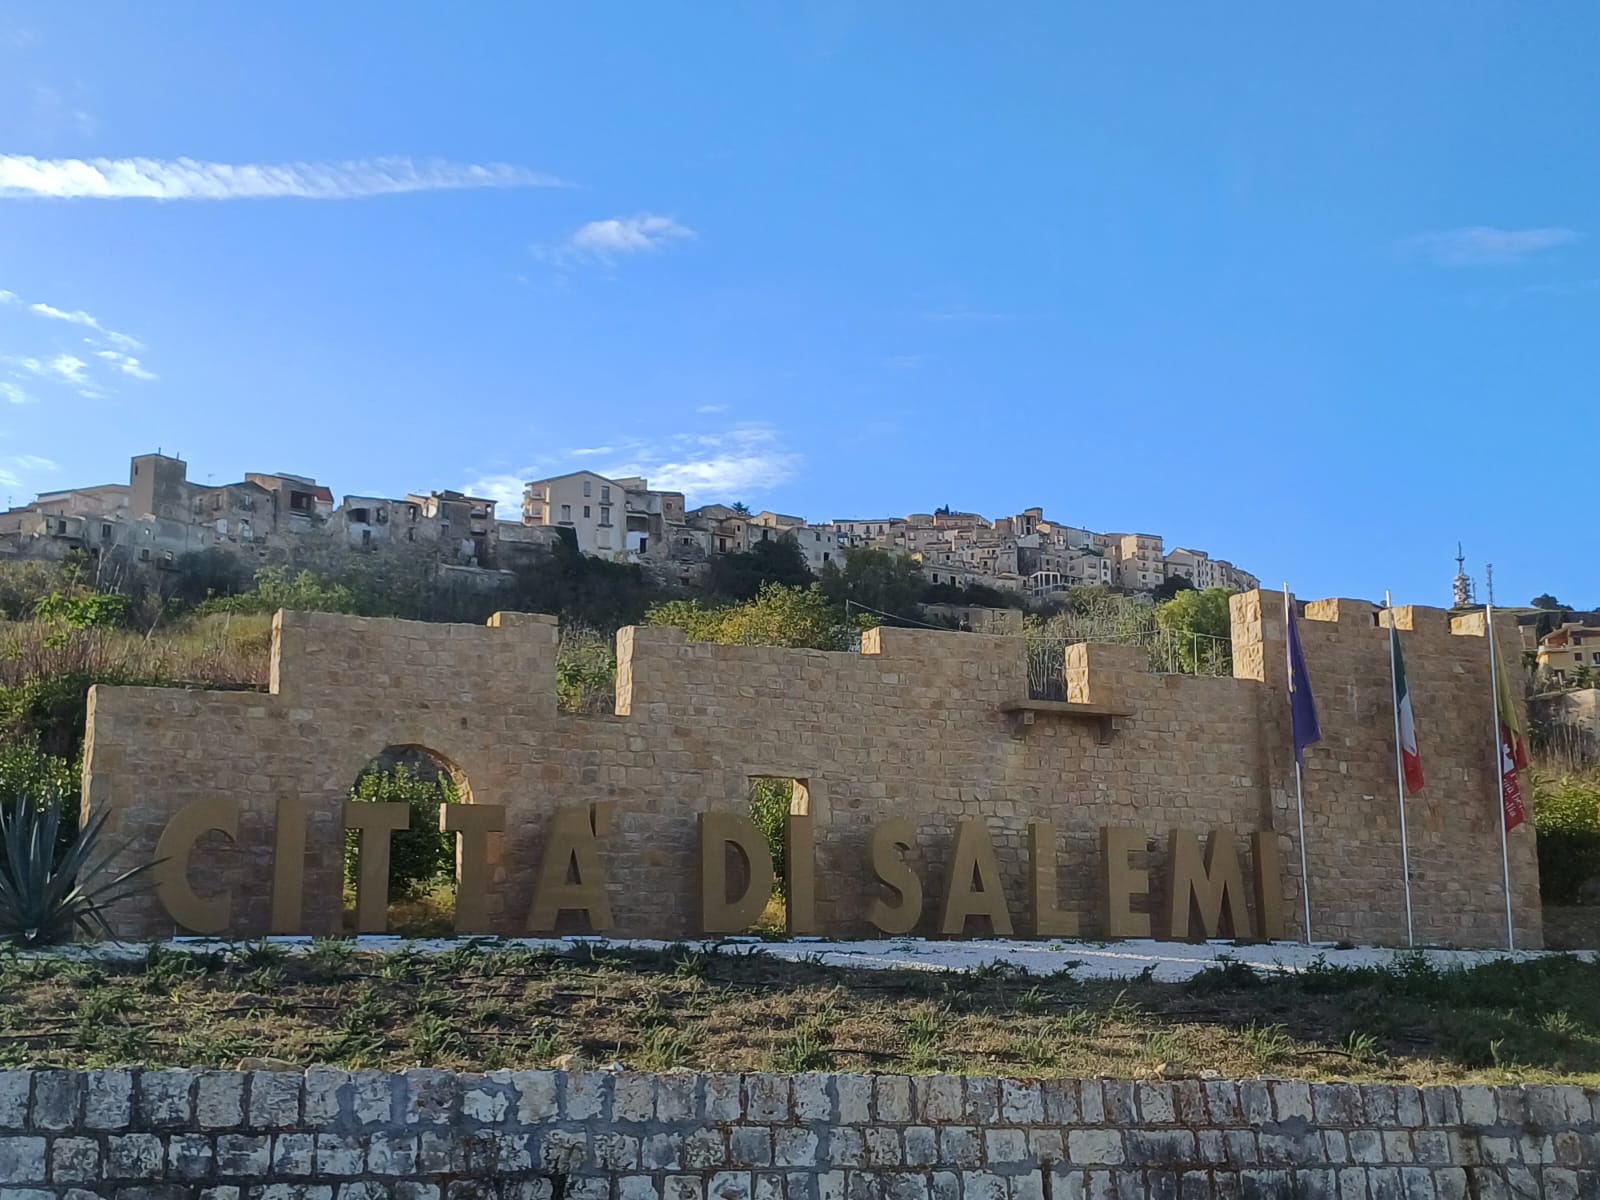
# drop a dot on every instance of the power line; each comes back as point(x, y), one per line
point(849, 604)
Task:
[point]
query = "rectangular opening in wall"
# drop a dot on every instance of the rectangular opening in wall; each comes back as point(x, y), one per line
point(772, 799)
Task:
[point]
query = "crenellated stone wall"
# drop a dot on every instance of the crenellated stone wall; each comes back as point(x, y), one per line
point(932, 727)
point(548, 1135)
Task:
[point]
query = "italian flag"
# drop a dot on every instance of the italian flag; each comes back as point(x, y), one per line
point(1404, 719)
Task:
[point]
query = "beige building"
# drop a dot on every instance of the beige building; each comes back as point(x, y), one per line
point(587, 503)
point(1562, 652)
point(1137, 562)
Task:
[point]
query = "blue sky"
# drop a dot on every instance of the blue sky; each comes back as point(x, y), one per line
point(1315, 290)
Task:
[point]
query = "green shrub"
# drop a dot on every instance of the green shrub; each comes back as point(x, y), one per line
point(25, 770)
point(769, 809)
point(421, 855)
point(1566, 813)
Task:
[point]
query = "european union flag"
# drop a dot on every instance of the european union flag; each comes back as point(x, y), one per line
point(1302, 708)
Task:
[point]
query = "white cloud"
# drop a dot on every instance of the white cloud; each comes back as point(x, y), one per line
point(746, 460)
point(1486, 246)
point(606, 241)
point(591, 451)
point(13, 394)
point(125, 363)
point(30, 462)
point(7, 297)
point(706, 409)
point(188, 179)
point(69, 367)
point(505, 490)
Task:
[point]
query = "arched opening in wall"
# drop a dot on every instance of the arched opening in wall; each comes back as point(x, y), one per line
point(772, 799)
point(421, 897)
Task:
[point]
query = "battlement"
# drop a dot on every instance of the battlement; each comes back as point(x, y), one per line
point(929, 726)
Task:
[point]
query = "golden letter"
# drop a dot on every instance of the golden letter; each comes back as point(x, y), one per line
point(800, 875)
point(571, 878)
point(289, 865)
point(376, 821)
point(1048, 920)
point(893, 871)
point(474, 823)
point(718, 831)
point(1269, 886)
point(1123, 882)
point(1204, 889)
point(198, 914)
point(973, 888)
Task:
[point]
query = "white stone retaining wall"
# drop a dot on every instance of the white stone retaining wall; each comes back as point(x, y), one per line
point(551, 1135)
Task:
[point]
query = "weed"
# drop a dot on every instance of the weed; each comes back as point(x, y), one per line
point(661, 1048)
point(804, 1051)
point(434, 1039)
point(1268, 1044)
point(1229, 975)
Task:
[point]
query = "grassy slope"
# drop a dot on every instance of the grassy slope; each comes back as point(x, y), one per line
point(517, 1008)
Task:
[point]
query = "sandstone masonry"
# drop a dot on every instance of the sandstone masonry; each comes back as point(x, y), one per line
point(548, 1135)
point(933, 727)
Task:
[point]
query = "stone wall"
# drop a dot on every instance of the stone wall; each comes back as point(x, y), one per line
point(545, 1135)
point(920, 725)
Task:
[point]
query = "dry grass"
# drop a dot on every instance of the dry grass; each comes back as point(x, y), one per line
point(220, 651)
point(514, 1007)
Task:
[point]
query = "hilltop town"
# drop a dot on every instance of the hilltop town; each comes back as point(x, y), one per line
point(160, 516)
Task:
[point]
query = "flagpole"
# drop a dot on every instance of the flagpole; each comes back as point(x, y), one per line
point(1299, 788)
point(1400, 771)
point(1500, 770)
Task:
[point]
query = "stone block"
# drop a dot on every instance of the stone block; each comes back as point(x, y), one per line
point(705, 1148)
point(392, 1154)
point(340, 1154)
point(633, 1097)
point(1255, 1099)
point(135, 1156)
point(883, 1146)
point(1021, 1102)
point(729, 1185)
point(749, 1147)
point(1004, 1147)
point(324, 1094)
point(675, 1097)
point(15, 1089)
point(588, 1096)
point(1477, 1105)
point(107, 1100)
point(983, 1185)
point(1061, 1101)
point(682, 1187)
point(1094, 1147)
point(57, 1096)
point(1337, 1104)
point(218, 1099)
point(724, 1098)
point(1441, 1107)
point(939, 1098)
point(372, 1095)
point(766, 1098)
point(275, 1099)
point(661, 1151)
point(892, 1099)
point(293, 1154)
point(797, 1148)
point(960, 1146)
point(854, 1094)
point(244, 1155)
point(77, 1160)
point(189, 1156)
point(1223, 1105)
point(637, 1187)
point(983, 1101)
point(1156, 1104)
point(1291, 1099)
point(619, 1151)
point(22, 1159)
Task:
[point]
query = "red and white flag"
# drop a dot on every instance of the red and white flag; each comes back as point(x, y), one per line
point(1405, 720)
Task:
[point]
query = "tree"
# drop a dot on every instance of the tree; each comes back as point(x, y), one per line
point(581, 590)
point(741, 576)
point(1171, 587)
point(740, 508)
point(881, 582)
point(1549, 603)
point(1200, 624)
point(778, 616)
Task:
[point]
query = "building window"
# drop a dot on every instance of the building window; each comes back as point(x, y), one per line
point(144, 554)
point(566, 514)
point(605, 492)
point(605, 514)
point(585, 512)
point(105, 533)
point(586, 487)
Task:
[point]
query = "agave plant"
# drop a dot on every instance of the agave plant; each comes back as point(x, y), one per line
point(47, 895)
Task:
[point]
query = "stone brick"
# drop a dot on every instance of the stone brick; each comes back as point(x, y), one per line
point(293, 1154)
point(892, 1100)
point(1021, 1102)
point(243, 1155)
point(1061, 1101)
point(797, 1147)
point(589, 1095)
point(1291, 1099)
point(372, 1094)
point(1397, 1147)
point(107, 1100)
point(1222, 1102)
point(1155, 1104)
point(74, 1160)
point(1352, 1183)
point(485, 1100)
point(682, 1187)
point(766, 1098)
point(1118, 1098)
point(166, 1098)
point(633, 1096)
point(637, 1187)
point(983, 1101)
point(22, 1159)
point(939, 1098)
point(1336, 1104)
point(705, 1148)
point(749, 1147)
point(620, 1151)
point(1441, 1106)
point(340, 1154)
point(562, 1151)
point(218, 1099)
point(57, 1096)
point(883, 1146)
point(137, 1156)
point(1003, 1147)
point(1408, 1106)
point(275, 1099)
point(1091, 1102)
point(189, 1156)
point(407, 1189)
point(675, 1098)
point(392, 1154)
point(661, 1151)
point(365, 1189)
point(15, 1089)
point(729, 1185)
point(430, 1097)
point(960, 1146)
point(1255, 1098)
point(323, 1096)
point(1094, 1146)
point(983, 1185)
point(1477, 1105)
point(1046, 1146)
point(724, 1098)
